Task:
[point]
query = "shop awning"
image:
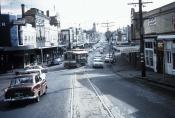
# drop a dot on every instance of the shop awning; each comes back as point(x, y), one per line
point(80, 52)
point(129, 49)
point(18, 48)
point(166, 37)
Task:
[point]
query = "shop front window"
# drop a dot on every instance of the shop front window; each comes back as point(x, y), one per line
point(149, 57)
point(173, 60)
point(168, 57)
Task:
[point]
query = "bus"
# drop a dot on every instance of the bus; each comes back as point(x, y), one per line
point(75, 58)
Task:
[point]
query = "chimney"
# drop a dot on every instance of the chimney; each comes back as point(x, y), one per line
point(23, 10)
point(47, 13)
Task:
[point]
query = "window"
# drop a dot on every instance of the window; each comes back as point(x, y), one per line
point(3, 24)
point(173, 41)
point(37, 79)
point(25, 38)
point(148, 45)
point(168, 57)
point(173, 60)
point(149, 57)
point(173, 22)
point(21, 80)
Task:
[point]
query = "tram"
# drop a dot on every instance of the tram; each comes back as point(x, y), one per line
point(75, 58)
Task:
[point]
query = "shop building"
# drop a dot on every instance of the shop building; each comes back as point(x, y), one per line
point(32, 38)
point(159, 29)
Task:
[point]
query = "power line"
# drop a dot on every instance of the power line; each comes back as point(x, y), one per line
point(108, 25)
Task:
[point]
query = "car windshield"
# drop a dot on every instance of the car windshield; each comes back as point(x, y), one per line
point(21, 80)
point(28, 67)
point(32, 71)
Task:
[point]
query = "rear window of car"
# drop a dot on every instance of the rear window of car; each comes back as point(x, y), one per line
point(21, 80)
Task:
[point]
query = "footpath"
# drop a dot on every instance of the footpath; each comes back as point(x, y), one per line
point(124, 69)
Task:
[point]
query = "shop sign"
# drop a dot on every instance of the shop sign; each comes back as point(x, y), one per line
point(160, 45)
point(152, 21)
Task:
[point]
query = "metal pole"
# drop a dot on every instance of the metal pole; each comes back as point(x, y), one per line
point(41, 45)
point(142, 57)
point(41, 56)
point(69, 40)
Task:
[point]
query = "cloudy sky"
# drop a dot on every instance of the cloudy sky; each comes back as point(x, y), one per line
point(84, 12)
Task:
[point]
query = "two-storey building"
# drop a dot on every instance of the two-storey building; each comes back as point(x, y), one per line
point(159, 29)
point(32, 38)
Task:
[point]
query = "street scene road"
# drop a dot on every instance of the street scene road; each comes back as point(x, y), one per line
point(96, 93)
point(87, 59)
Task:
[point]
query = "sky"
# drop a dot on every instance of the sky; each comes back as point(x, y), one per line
point(84, 12)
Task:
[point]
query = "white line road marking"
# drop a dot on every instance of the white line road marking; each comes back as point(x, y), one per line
point(101, 100)
point(72, 97)
point(113, 111)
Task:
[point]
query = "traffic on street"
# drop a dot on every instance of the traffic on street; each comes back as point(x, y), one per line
point(87, 59)
point(93, 92)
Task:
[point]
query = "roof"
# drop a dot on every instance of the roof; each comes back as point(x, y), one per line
point(165, 8)
point(26, 75)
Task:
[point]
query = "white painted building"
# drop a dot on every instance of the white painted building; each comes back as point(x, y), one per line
point(169, 53)
point(159, 28)
point(28, 35)
point(67, 37)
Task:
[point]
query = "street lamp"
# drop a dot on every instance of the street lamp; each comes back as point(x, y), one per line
point(40, 23)
point(41, 53)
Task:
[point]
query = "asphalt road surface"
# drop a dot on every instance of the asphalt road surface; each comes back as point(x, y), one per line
point(55, 104)
point(86, 92)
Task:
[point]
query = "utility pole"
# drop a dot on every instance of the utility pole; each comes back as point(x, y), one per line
point(142, 56)
point(107, 25)
point(108, 36)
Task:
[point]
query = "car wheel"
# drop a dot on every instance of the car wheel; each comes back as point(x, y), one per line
point(45, 90)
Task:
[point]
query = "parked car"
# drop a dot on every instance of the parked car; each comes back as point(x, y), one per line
point(56, 61)
point(109, 58)
point(25, 87)
point(98, 63)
